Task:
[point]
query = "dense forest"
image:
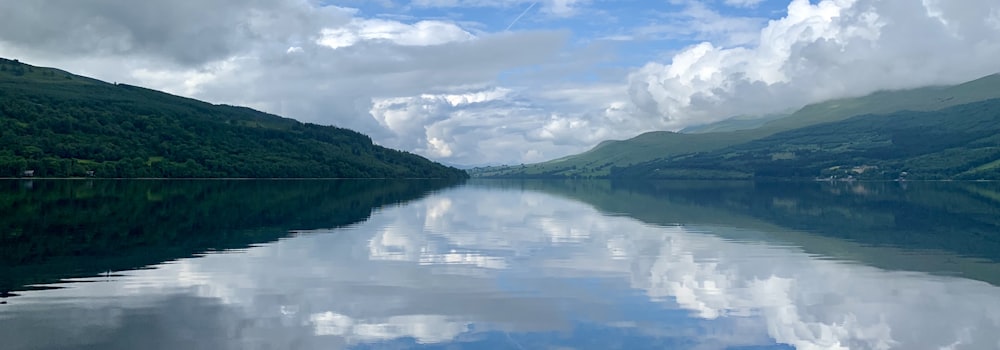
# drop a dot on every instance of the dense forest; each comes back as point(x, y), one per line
point(56, 124)
point(56, 229)
point(961, 142)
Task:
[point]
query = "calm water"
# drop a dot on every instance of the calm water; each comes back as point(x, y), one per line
point(498, 265)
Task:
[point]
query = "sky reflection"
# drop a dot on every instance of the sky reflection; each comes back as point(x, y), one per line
point(483, 267)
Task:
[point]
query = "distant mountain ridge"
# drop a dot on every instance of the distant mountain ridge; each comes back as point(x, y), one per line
point(57, 124)
point(733, 124)
point(663, 146)
point(960, 142)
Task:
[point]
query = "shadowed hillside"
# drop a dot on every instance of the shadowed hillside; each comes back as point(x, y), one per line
point(56, 124)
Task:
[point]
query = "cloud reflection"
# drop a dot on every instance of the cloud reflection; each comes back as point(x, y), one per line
point(423, 328)
point(461, 264)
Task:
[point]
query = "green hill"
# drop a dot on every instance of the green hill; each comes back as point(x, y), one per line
point(960, 142)
point(652, 146)
point(734, 124)
point(57, 124)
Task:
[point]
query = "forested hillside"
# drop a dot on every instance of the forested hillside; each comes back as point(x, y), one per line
point(56, 124)
point(659, 146)
point(961, 142)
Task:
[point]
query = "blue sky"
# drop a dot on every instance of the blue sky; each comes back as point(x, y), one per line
point(632, 32)
point(447, 79)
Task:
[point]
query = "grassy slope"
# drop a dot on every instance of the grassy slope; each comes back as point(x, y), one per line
point(69, 124)
point(960, 142)
point(734, 124)
point(598, 161)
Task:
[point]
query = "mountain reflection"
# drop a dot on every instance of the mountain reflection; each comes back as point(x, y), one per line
point(496, 266)
point(56, 229)
point(952, 227)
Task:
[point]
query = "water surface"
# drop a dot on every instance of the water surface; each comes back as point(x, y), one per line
point(499, 265)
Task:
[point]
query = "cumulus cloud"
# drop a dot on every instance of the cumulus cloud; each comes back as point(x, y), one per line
point(548, 93)
point(503, 125)
point(422, 122)
point(336, 86)
point(829, 49)
point(321, 64)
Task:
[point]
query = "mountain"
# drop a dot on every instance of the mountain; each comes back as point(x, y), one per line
point(658, 145)
point(56, 124)
point(960, 142)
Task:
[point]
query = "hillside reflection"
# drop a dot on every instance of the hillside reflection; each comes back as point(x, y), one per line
point(55, 229)
point(497, 266)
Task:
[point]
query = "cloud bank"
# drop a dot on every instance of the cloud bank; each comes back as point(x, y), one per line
point(830, 49)
point(570, 74)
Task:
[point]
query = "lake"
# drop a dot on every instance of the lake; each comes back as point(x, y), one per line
point(353, 264)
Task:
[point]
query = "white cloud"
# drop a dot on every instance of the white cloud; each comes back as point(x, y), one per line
point(506, 126)
point(743, 3)
point(169, 34)
point(294, 58)
point(187, 82)
point(698, 21)
point(563, 7)
point(422, 33)
point(420, 122)
point(458, 88)
point(830, 49)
